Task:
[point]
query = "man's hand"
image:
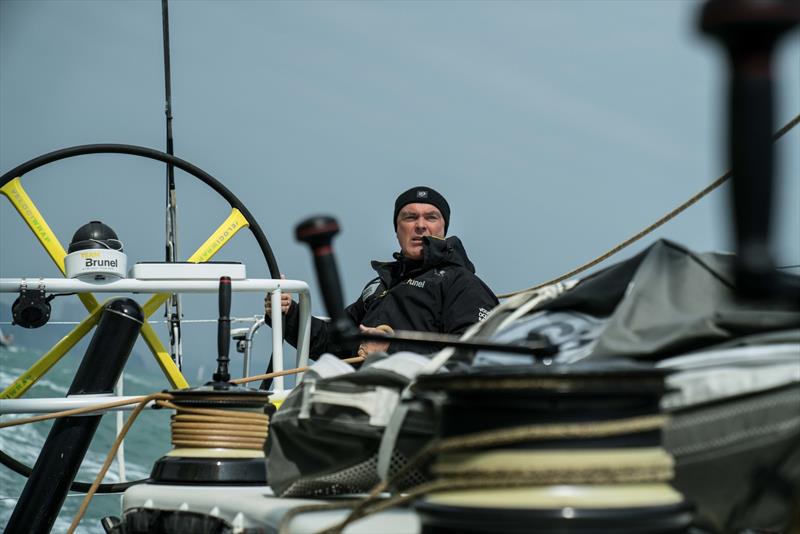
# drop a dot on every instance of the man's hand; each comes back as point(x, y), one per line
point(286, 301)
point(368, 347)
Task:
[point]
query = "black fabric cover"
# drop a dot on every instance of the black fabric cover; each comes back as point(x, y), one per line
point(334, 450)
point(667, 300)
point(738, 461)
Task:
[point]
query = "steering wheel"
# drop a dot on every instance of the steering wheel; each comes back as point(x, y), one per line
point(240, 217)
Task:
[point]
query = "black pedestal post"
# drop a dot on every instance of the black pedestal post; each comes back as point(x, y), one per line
point(69, 438)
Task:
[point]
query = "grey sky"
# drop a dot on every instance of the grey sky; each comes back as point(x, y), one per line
point(554, 129)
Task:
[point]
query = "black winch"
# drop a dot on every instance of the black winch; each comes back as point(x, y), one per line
point(219, 429)
point(567, 449)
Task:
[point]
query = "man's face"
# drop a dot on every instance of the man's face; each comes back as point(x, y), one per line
point(415, 221)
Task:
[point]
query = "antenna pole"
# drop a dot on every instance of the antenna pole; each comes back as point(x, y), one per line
point(172, 309)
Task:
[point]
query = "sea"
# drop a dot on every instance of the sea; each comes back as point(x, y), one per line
point(147, 441)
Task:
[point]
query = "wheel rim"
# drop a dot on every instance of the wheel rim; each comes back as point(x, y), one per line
point(157, 155)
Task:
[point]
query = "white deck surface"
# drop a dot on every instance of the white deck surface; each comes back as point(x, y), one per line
point(256, 506)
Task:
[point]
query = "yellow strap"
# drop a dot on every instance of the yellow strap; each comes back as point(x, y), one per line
point(30, 214)
point(235, 222)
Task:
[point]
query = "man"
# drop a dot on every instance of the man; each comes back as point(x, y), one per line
point(429, 287)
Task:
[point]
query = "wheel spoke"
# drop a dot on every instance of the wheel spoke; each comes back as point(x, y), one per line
point(33, 218)
point(19, 198)
point(171, 371)
point(51, 357)
point(235, 222)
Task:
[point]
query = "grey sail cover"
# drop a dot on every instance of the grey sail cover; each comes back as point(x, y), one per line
point(668, 300)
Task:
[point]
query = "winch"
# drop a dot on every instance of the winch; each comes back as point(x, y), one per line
point(567, 449)
point(218, 436)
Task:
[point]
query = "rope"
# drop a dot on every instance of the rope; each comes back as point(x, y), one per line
point(354, 359)
point(666, 218)
point(597, 429)
point(208, 428)
point(76, 411)
point(135, 400)
point(587, 466)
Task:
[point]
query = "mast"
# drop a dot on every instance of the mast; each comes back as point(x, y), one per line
point(172, 309)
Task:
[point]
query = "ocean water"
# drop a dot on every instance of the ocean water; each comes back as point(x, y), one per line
point(146, 442)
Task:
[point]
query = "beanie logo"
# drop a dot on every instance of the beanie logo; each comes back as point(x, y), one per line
point(422, 194)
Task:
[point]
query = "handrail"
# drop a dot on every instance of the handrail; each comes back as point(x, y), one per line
point(57, 404)
point(133, 285)
point(248, 344)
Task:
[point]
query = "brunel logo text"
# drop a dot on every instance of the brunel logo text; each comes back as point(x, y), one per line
point(90, 262)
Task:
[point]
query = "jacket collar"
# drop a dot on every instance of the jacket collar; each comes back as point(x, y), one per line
point(436, 252)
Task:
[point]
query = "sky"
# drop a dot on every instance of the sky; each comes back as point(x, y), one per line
point(554, 129)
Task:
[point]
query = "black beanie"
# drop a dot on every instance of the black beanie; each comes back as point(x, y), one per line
point(423, 195)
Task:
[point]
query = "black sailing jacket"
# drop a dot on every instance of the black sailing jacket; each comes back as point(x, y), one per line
point(438, 294)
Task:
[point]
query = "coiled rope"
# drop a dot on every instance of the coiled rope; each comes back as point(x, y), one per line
point(208, 428)
point(666, 218)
